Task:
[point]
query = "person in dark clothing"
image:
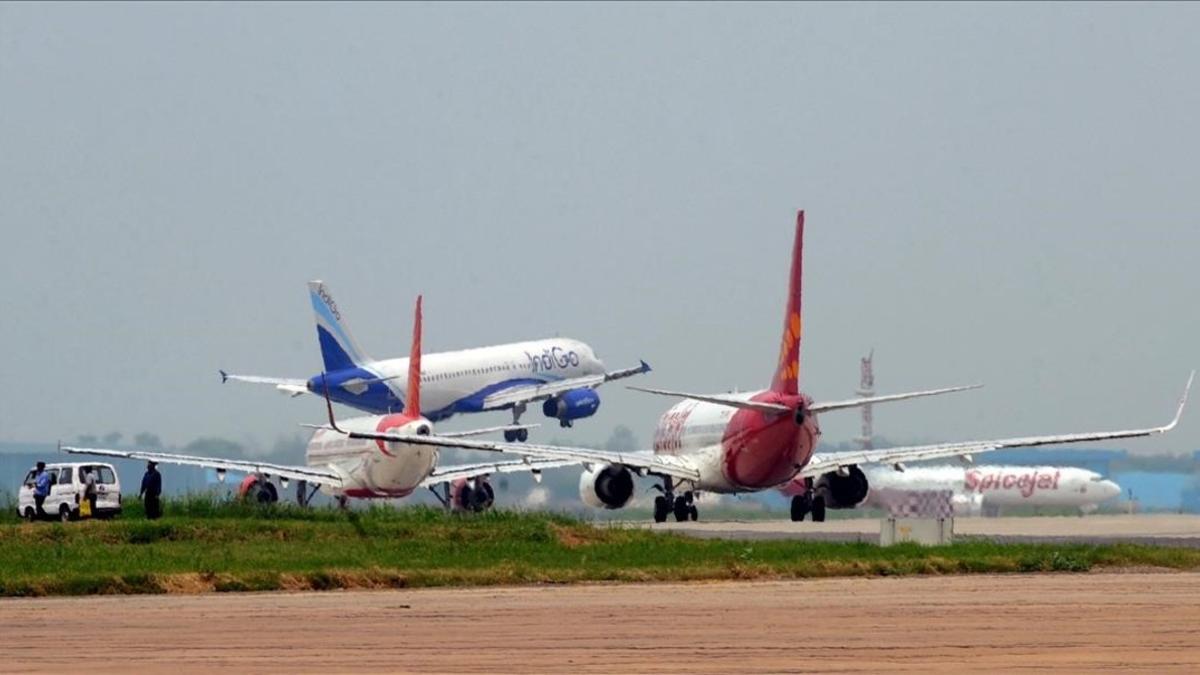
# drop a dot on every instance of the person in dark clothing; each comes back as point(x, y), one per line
point(41, 488)
point(151, 490)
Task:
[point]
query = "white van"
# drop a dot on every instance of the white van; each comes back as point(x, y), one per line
point(67, 485)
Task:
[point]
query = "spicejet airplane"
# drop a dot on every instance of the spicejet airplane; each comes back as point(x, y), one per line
point(730, 443)
point(561, 373)
point(984, 489)
point(350, 467)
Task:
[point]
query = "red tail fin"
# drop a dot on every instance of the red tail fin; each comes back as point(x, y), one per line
point(787, 372)
point(413, 408)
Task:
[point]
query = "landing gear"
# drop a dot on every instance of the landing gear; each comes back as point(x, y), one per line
point(801, 505)
point(818, 508)
point(343, 502)
point(685, 508)
point(662, 506)
point(517, 435)
point(566, 424)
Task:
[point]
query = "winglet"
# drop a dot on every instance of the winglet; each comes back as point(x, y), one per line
point(413, 407)
point(1182, 402)
point(645, 367)
point(224, 376)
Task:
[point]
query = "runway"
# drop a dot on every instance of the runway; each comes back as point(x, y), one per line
point(1084, 622)
point(1151, 529)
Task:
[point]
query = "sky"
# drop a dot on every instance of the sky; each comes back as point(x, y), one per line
point(1000, 193)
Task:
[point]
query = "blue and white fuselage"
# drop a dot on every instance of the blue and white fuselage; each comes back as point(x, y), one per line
point(560, 374)
point(460, 381)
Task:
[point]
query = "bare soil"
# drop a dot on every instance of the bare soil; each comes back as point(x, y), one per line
point(1076, 622)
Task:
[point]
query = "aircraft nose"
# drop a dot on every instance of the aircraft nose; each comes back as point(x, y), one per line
point(1110, 489)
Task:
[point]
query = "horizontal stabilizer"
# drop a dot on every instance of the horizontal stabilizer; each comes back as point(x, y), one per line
point(720, 399)
point(858, 402)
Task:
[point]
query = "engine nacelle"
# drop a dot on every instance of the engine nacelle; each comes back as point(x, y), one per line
point(842, 492)
point(255, 488)
point(606, 487)
point(572, 405)
point(475, 499)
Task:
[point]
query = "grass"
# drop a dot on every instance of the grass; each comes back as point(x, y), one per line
point(203, 545)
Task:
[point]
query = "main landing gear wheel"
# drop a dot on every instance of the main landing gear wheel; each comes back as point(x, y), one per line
point(662, 506)
point(685, 508)
point(818, 509)
point(801, 505)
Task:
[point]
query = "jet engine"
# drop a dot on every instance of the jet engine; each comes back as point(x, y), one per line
point(606, 487)
point(842, 491)
point(464, 497)
point(256, 489)
point(572, 405)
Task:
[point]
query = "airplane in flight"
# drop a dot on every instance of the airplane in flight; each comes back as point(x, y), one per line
point(561, 373)
point(345, 467)
point(747, 442)
point(981, 490)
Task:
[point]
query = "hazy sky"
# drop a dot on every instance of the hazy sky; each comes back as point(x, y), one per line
point(996, 193)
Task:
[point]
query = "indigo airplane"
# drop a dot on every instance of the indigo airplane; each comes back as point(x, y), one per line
point(560, 373)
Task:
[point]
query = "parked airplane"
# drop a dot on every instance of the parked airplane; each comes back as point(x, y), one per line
point(346, 467)
point(983, 489)
point(730, 443)
point(562, 373)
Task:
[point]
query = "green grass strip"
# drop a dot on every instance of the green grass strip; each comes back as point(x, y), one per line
point(207, 546)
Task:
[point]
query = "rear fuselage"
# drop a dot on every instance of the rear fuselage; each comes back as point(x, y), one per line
point(372, 468)
point(736, 449)
point(459, 381)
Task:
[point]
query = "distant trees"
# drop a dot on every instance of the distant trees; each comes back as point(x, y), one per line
point(112, 438)
point(146, 439)
point(621, 440)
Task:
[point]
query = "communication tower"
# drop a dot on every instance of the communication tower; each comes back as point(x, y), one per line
point(866, 387)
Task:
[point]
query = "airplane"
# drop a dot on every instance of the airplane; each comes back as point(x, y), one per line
point(344, 468)
point(748, 442)
point(562, 373)
point(984, 489)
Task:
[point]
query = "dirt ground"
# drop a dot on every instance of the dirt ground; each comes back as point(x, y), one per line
point(1102, 621)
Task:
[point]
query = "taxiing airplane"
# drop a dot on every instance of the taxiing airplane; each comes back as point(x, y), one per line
point(348, 467)
point(561, 373)
point(733, 443)
point(983, 490)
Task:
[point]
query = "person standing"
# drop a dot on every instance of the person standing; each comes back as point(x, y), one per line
point(41, 488)
point(151, 491)
point(89, 488)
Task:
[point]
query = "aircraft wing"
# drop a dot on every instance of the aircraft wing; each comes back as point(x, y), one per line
point(318, 475)
point(833, 461)
point(536, 392)
point(447, 474)
point(288, 385)
point(641, 462)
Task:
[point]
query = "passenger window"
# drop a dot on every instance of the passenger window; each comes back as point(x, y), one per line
point(53, 473)
point(66, 476)
point(105, 475)
point(29, 478)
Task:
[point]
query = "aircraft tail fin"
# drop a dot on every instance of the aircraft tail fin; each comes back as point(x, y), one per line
point(339, 350)
point(413, 407)
point(787, 371)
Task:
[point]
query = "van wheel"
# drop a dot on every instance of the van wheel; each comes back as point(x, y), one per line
point(64, 513)
point(29, 515)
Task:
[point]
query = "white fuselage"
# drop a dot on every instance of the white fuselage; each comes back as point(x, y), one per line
point(455, 382)
point(995, 485)
point(373, 468)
